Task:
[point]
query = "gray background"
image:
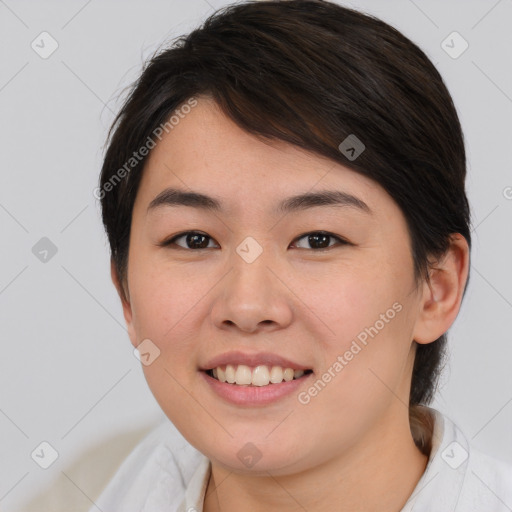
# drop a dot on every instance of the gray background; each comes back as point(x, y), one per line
point(67, 372)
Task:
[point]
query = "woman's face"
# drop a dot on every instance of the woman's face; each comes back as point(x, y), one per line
point(258, 285)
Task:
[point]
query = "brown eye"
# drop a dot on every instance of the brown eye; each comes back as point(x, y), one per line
point(192, 240)
point(320, 240)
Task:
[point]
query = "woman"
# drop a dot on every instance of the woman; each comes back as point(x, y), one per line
point(284, 197)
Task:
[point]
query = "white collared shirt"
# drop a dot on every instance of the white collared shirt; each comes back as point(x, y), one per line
point(164, 473)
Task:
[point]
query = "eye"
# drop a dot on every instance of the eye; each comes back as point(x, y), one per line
point(320, 239)
point(196, 240)
point(193, 240)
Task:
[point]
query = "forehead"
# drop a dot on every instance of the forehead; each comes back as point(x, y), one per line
point(208, 153)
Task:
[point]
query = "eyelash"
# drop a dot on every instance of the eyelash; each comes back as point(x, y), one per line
point(171, 241)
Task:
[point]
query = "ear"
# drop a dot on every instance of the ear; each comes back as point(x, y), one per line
point(125, 302)
point(442, 294)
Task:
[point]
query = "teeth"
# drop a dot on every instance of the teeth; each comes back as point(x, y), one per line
point(260, 376)
point(230, 374)
point(276, 375)
point(243, 375)
point(288, 374)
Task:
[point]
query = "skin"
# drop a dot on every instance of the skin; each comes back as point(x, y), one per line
point(350, 448)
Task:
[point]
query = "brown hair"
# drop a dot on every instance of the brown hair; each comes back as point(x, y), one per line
point(311, 73)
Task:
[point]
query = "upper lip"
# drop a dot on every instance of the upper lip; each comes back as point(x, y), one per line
point(255, 359)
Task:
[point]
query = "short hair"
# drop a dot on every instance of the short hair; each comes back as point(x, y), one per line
point(311, 73)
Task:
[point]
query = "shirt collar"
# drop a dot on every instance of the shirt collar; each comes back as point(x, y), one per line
point(196, 489)
point(441, 483)
point(438, 488)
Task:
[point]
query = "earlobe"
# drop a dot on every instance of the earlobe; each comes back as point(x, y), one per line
point(125, 302)
point(442, 294)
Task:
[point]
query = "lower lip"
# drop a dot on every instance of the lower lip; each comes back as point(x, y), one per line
point(254, 395)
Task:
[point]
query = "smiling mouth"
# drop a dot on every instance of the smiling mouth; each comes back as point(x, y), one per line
point(262, 375)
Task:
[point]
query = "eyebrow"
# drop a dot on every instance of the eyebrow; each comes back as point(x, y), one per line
point(177, 197)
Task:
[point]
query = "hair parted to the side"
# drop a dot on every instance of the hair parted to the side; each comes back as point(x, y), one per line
point(311, 73)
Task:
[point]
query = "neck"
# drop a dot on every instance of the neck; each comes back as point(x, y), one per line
point(377, 475)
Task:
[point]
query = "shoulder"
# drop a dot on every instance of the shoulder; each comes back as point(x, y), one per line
point(487, 482)
point(459, 476)
point(478, 480)
point(155, 474)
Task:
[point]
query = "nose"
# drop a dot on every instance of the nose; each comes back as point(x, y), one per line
point(253, 296)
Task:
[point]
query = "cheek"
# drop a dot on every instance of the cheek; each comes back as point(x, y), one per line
point(366, 313)
point(352, 300)
point(165, 308)
point(161, 297)
point(163, 305)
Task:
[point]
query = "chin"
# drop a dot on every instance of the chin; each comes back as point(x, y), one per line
point(257, 458)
